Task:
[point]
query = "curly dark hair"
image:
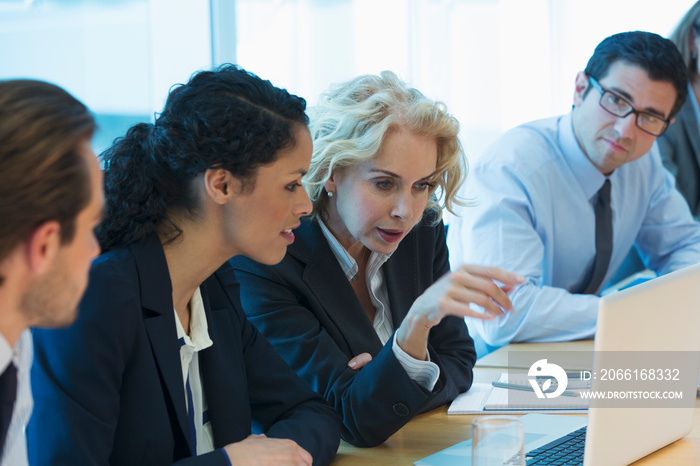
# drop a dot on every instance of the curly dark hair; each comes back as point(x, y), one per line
point(227, 118)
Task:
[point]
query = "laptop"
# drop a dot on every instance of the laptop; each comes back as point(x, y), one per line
point(660, 315)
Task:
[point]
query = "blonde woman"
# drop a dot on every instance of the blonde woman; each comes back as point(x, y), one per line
point(363, 306)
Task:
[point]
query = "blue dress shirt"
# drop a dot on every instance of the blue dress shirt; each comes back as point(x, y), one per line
point(533, 214)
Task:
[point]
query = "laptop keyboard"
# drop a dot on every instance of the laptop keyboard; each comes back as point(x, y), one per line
point(566, 450)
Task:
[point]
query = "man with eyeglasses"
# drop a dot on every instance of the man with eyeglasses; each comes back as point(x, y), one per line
point(563, 200)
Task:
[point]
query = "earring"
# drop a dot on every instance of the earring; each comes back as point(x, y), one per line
point(330, 193)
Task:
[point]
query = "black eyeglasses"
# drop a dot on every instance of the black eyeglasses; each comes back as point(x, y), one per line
point(620, 107)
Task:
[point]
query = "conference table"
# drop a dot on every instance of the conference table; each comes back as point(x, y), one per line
point(431, 432)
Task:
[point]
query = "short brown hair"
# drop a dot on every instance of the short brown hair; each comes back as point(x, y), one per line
point(42, 176)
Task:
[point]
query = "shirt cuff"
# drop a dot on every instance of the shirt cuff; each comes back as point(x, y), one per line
point(424, 373)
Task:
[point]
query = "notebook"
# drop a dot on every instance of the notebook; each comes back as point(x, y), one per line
point(484, 399)
point(505, 399)
point(660, 315)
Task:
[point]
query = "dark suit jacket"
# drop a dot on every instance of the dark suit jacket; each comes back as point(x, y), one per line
point(308, 310)
point(680, 150)
point(109, 389)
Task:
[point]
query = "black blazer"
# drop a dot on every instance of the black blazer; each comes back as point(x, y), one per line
point(308, 310)
point(680, 151)
point(109, 389)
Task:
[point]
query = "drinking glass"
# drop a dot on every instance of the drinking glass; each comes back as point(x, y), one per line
point(498, 441)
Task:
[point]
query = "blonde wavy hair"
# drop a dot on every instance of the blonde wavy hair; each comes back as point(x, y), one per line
point(352, 119)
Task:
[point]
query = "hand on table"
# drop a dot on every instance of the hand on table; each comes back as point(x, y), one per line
point(259, 450)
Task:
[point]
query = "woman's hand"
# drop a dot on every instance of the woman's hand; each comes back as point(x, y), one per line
point(359, 361)
point(452, 295)
point(472, 284)
point(260, 450)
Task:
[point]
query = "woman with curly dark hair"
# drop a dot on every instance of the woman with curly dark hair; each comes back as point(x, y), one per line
point(162, 364)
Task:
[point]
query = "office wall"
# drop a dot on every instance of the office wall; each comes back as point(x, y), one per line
point(120, 57)
point(495, 63)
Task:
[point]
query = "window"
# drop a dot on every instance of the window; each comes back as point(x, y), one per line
point(119, 57)
point(495, 63)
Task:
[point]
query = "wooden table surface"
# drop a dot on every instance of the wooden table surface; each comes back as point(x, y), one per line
point(434, 431)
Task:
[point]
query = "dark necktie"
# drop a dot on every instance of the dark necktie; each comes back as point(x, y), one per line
point(603, 239)
point(190, 408)
point(8, 394)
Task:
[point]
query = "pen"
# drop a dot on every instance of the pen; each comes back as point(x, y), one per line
point(526, 388)
point(569, 375)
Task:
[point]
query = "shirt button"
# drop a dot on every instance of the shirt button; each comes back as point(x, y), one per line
point(401, 409)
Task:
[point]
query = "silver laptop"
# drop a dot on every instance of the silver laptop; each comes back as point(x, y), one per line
point(661, 315)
